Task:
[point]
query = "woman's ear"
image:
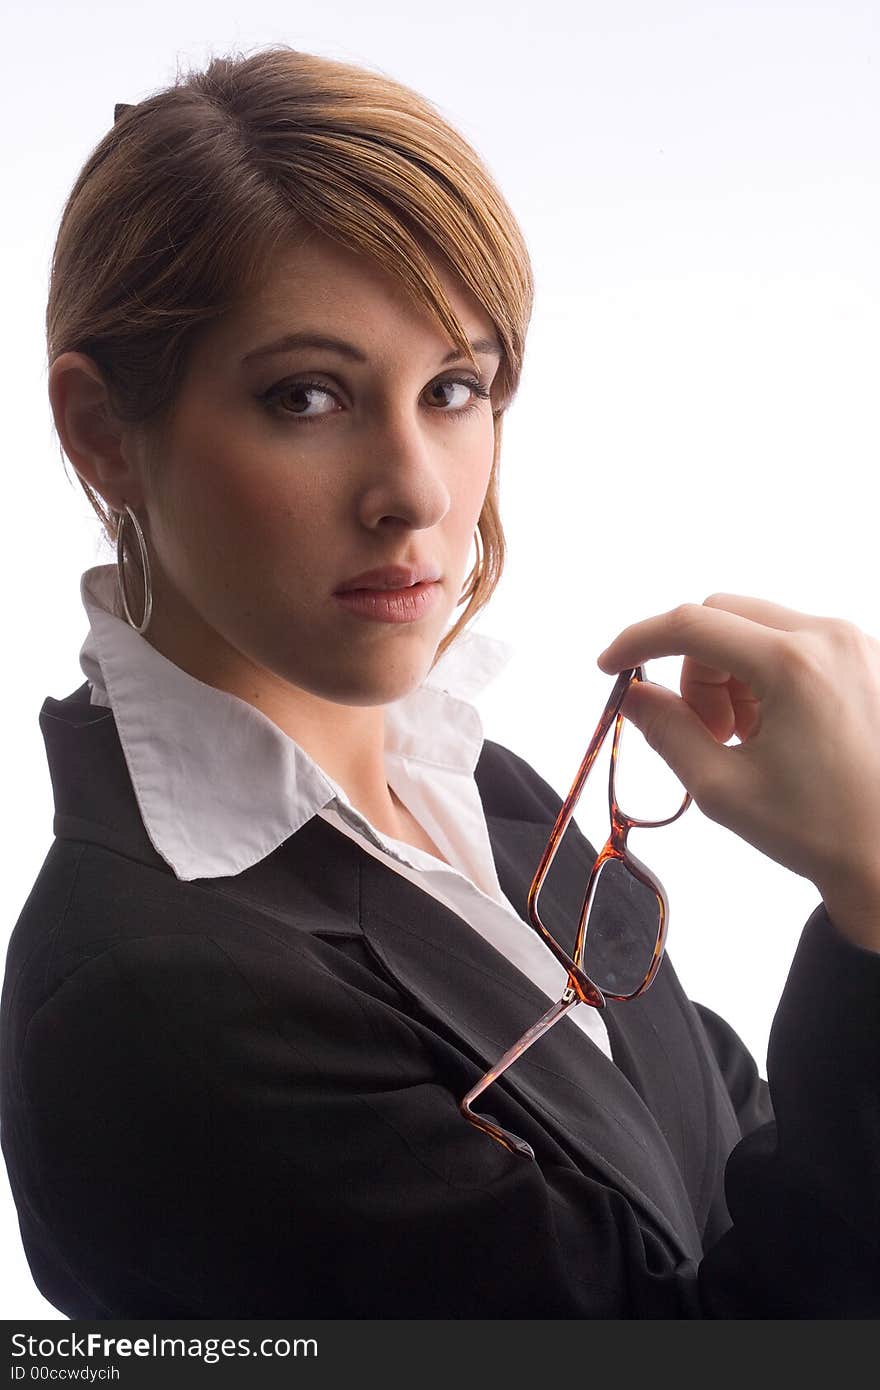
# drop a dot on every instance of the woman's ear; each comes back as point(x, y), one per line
point(92, 438)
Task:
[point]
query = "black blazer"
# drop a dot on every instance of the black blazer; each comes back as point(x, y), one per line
point(238, 1097)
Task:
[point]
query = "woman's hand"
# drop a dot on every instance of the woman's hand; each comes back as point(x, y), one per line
point(802, 693)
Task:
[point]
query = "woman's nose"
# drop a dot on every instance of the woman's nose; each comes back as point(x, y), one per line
point(404, 474)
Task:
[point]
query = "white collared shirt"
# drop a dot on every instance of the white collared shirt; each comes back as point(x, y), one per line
point(219, 785)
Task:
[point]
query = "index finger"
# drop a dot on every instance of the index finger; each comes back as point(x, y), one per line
point(712, 636)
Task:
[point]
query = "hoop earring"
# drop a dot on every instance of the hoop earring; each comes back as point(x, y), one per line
point(475, 575)
point(120, 570)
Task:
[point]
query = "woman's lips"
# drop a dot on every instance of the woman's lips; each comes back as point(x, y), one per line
point(392, 605)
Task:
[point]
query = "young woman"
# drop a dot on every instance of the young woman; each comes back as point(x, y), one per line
point(284, 927)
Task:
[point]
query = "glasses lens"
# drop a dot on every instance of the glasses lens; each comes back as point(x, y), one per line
point(623, 923)
point(622, 930)
point(645, 786)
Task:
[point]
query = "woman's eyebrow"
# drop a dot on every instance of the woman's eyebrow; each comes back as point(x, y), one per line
point(354, 354)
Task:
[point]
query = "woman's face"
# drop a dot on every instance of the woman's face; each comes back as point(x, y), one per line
point(287, 473)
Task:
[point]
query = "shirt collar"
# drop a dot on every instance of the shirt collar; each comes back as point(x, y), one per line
point(218, 784)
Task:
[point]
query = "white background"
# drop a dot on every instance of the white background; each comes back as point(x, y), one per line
point(697, 184)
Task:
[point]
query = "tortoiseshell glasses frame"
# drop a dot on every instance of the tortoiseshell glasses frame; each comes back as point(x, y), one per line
point(580, 989)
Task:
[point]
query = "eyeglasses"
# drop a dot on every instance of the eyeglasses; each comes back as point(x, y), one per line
point(622, 924)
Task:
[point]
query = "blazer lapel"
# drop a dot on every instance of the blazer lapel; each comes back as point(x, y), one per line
point(456, 977)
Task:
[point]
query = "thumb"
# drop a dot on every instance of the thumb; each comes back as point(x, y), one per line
point(678, 734)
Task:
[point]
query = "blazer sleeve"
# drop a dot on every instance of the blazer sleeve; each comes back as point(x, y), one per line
point(803, 1191)
point(224, 1125)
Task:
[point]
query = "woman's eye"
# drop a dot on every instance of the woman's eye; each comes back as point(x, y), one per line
point(296, 390)
point(474, 391)
point(471, 387)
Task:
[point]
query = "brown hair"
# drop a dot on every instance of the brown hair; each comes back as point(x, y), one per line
point(175, 215)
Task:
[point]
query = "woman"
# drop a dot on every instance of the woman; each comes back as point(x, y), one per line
point(283, 926)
